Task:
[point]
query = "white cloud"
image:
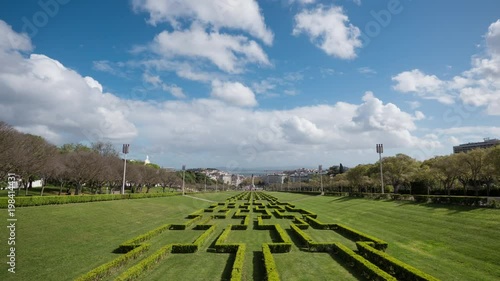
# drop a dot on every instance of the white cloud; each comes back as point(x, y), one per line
point(479, 86)
point(156, 82)
point(228, 52)
point(299, 130)
point(63, 106)
point(366, 70)
point(13, 41)
point(242, 15)
point(233, 93)
point(329, 29)
point(301, 2)
point(425, 86)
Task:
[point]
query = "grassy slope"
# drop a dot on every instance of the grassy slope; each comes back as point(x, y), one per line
point(448, 242)
point(62, 242)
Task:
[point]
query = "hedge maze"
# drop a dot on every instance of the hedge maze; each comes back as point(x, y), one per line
point(216, 230)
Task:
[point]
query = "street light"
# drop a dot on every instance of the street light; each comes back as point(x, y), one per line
point(125, 151)
point(183, 177)
point(380, 150)
point(320, 169)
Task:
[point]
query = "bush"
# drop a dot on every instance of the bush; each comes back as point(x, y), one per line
point(147, 263)
point(106, 269)
point(399, 269)
point(271, 271)
point(361, 265)
point(67, 199)
point(239, 261)
point(359, 236)
point(134, 242)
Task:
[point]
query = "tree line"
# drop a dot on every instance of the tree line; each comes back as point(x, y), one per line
point(73, 167)
point(476, 172)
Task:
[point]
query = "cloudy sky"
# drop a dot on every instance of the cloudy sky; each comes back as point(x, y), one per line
point(245, 83)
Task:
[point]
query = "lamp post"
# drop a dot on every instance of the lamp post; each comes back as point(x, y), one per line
point(380, 150)
point(183, 177)
point(125, 152)
point(320, 169)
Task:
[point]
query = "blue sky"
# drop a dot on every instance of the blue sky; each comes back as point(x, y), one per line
point(243, 83)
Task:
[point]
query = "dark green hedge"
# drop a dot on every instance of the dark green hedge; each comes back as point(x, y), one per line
point(106, 269)
point(355, 235)
point(22, 201)
point(271, 271)
point(361, 265)
point(147, 263)
point(397, 268)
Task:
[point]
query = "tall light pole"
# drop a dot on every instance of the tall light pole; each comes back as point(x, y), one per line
point(380, 150)
point(320, 169)
point(125, 152)
point(206, 183)
point(183, 177)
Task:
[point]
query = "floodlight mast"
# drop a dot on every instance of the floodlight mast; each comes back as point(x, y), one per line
point(125, 150)
point(183, 178)
point(380, 150)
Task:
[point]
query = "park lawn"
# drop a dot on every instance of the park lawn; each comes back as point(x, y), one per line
point(448, 242)
point(62, 242)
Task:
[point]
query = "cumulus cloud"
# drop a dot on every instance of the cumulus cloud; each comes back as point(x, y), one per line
point(157, 83)
point(329, 29)
point(228, 52)
point(233, 93)
point(244, 15)
point(42, 96)
point(479, 86)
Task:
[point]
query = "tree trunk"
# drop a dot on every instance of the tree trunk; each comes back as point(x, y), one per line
point(77, 189)
point(61, 187)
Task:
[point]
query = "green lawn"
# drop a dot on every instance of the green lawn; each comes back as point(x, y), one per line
point(62, 242)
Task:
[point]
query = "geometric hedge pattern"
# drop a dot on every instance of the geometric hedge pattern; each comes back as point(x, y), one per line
point(256, 211)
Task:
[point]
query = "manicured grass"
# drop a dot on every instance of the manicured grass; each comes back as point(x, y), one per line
point(447, 242)
point(62, 242)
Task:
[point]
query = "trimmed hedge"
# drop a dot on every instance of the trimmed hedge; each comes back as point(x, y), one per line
point(397, 268)
point(186, 224)
point(239, 262)
point(147, 263)
point(361, 265)
point(134, 242)
point(106, 269)
point(359, 236)
point(300, 223)
point(285, 243)
point(316, 223)
point(195, 214)
point(69, 199)
point(271, 271)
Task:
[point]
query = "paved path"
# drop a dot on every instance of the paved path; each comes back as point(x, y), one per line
point(203, 199)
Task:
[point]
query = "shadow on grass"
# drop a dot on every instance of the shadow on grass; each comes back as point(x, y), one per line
point(226, 274)
point(301, 246)
point(454, 209)
point(259, 269)
point(351, 270)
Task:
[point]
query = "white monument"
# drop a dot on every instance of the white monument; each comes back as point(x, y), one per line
point(147, 160)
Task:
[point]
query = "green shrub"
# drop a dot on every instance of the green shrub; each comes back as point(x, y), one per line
point(106, 269)
point(359, 236)
point(147, 263)
point(184, 248)
point(239, 261)
point(67, 199)
point(399, 269)
point(134, 242)
point(361, 265)
point(271, 271)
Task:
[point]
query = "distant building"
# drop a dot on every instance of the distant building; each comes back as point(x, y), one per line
point(473, 145)
point(274, 178)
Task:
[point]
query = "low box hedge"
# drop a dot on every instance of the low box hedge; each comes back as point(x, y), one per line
point(106, 269)
point(134, 272)
point(355, 235)
point(360, 264)
point(270, 265)
point(25, 201)
point(395, 267)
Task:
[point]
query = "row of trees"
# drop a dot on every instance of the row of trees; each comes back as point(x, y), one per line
point(97, 168)
point(476, 172)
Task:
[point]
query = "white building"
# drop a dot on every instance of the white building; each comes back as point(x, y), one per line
point(274, 178)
